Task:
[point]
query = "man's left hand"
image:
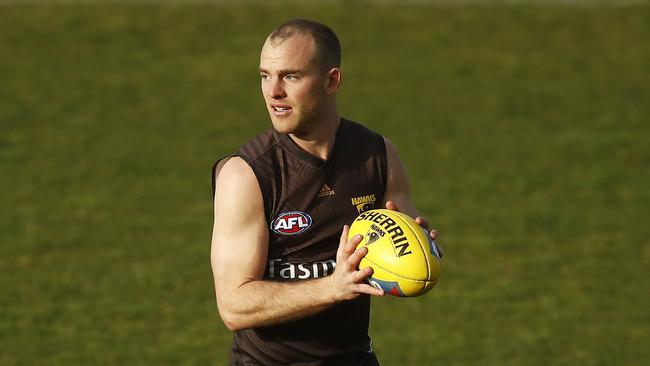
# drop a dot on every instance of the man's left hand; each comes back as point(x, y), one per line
point(422, 221)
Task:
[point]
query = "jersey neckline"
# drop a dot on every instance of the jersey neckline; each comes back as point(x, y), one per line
point(302, 154)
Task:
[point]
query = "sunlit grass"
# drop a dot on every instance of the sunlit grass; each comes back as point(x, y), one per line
point(524, 129)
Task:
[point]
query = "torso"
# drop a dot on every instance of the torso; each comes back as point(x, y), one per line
point(307, 201)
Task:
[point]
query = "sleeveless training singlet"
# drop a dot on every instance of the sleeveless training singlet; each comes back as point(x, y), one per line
point(307, 201)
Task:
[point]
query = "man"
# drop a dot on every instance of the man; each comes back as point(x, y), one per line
point(286, 275)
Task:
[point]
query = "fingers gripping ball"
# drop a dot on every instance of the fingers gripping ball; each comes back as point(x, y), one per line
point(401, 253)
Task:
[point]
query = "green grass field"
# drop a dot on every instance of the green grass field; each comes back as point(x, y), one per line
point(525, 128)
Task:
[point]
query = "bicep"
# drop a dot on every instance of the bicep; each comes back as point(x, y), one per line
point(239, 236)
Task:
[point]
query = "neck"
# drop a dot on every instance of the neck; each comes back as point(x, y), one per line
point(320, 141)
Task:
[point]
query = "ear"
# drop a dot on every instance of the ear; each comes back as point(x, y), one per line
point(333, 80)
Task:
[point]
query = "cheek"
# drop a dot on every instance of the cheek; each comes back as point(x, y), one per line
point(310, 97)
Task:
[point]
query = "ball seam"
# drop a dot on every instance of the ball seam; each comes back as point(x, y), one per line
point(396, 274)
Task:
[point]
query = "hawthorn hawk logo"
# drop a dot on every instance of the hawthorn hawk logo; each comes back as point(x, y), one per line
point(371, 237)
point(291, 223)
point(364, 203)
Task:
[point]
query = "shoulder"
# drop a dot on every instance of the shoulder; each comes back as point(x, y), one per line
point(236, 168)
point(390, 147)
point(363, 138)
point(238, 197)
point(355, 128)
point(259, 146)
point(236, 180)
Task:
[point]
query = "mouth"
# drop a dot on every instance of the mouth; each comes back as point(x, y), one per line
point(281, 110)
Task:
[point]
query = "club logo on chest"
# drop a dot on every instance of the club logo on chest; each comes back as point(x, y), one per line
point(364, 203)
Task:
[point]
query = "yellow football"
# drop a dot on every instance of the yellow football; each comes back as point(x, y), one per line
point(404, 259)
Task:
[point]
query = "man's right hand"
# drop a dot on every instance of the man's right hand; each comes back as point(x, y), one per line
point(347, 282)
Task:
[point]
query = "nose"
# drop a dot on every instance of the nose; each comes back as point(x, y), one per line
point(276, 90)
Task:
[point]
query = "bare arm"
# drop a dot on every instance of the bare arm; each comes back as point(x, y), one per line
point(239, 254)
point(398, 194)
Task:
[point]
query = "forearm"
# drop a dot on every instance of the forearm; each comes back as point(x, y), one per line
point(260, 303)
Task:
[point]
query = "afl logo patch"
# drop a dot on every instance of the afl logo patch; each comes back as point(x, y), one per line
point(291, 223)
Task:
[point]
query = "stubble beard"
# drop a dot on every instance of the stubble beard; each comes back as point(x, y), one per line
point(300, 125)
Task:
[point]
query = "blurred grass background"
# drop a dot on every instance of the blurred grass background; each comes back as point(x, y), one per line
point(525, 129)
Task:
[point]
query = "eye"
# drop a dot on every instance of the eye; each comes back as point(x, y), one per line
point(265, 76)
point(291, 77)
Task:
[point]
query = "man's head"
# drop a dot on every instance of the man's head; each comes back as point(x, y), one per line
point(299, 67)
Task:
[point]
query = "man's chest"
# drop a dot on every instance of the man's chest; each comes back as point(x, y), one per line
point(307, 219)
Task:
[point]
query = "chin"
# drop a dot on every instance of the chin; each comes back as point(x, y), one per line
point(285, 125)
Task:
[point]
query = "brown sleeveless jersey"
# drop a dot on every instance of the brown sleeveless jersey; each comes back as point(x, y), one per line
point(307, 201)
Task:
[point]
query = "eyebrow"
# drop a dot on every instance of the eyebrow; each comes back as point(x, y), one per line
point(284, 72)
